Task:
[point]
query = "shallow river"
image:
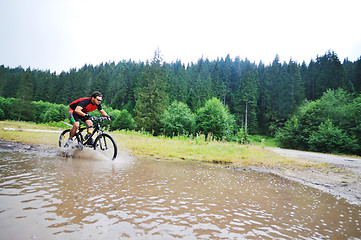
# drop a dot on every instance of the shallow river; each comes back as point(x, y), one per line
point(48, 195)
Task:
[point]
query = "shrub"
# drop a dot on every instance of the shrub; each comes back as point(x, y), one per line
point(178, 120)
point(214, 118)
point(329, 124)
point(49, 112)
point(121, 120)
point(53, 115)
point(292, 135)
point(3, 107)
point(2, 114)
point(331, 139)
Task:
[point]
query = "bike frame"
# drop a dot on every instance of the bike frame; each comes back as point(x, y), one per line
point(97, 129)
point(102, 140)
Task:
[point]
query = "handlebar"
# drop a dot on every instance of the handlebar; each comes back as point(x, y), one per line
point(99, 119)
point(96, 120)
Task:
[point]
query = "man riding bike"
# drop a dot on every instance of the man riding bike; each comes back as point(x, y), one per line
point(79, 109)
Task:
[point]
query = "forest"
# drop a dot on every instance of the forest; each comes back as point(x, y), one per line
point(288, 100)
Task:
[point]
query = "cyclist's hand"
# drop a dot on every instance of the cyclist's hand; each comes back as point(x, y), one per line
point(88, 117)
point(109, 118)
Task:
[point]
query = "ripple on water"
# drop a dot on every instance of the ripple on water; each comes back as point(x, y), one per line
point(146, 199)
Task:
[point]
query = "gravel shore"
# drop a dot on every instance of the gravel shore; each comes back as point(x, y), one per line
point(343, 180)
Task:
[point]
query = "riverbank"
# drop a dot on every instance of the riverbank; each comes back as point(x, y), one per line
point(342, 179)
point(146, 145)
point(339, 176)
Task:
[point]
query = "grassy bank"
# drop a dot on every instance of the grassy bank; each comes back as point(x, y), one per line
point(141, 144)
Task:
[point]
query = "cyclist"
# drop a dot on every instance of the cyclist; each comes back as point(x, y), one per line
point(78, 110)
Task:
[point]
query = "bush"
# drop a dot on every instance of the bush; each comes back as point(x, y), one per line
point(3, 107)
point(331, 139)
point(214, 119)
point(178, 120)
point(39, 112)
point(49, 112)
point(292, 135)
point(16, 109)
point(242, 137)
point(2, 114)
point(329, 124)
point(121, 120)
point(53, 115)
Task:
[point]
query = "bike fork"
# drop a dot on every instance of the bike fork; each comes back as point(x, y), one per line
point(105, 147)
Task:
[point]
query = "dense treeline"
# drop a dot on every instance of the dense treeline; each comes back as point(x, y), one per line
point(331, 124)
point(260, 97)
point(45, 112)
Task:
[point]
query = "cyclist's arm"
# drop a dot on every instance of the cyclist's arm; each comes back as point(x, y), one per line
point(103, 113)
point(78, 110)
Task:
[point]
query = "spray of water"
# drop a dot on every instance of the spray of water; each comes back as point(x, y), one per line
point(74, 151)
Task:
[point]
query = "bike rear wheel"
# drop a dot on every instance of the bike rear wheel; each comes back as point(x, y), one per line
point(106, 144)
point(63, 139)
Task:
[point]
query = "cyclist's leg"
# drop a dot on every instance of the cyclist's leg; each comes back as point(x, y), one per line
point(74, 129)
point(74, 119)
point(89, 123)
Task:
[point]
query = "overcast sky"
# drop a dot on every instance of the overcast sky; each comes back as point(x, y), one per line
point(58, 35)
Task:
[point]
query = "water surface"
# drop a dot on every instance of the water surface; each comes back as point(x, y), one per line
point(47, 195)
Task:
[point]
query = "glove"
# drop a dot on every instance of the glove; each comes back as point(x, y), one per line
point(88, 117)
point(109, 118)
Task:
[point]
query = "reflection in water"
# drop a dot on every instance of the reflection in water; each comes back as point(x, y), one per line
point(47, 196)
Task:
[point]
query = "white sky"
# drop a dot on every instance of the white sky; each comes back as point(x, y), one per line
point(58, 35)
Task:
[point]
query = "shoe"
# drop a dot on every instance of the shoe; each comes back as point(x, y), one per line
point(69, 142)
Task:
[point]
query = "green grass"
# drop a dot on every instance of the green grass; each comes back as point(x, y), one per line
point(183, 148)
point(263, 141)
point(198, 149)
point(44, 138)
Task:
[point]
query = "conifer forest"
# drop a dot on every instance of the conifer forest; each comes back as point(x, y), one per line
point(310, 106)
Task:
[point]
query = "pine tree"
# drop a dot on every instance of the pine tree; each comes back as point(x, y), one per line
point(356, 76)
point(262, 97)
point(292, 91)
point(2, 78)
point(24, 95)
point(329, 74)
point(151, 98)
point(309, 79)
point(247, 100)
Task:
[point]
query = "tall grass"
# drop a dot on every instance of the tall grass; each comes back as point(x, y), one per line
point(45, 138)
point(199, 149)
point(143, 144)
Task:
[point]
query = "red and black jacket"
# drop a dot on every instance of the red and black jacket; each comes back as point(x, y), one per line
point(85, 103)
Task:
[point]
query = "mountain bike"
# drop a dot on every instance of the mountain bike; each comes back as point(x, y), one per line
point(103, 141)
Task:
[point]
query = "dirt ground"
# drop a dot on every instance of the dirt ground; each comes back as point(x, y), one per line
point(342, 180)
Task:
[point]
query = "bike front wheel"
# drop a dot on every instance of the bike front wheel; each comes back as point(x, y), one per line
point(106, 144)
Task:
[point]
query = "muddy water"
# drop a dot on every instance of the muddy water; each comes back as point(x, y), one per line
point(47, 195)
